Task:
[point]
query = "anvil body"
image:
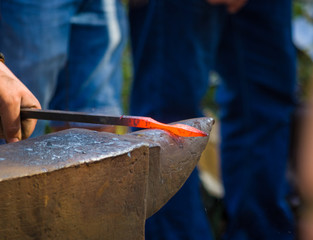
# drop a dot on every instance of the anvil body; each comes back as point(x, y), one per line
point(82, 184)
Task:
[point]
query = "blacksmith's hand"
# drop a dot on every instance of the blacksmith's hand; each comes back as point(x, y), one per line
point(13, 96)
point(233, 6)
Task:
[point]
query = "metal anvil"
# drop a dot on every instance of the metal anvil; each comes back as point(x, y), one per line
point(82, 184)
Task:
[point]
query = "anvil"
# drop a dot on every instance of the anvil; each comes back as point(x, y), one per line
point(81, 184)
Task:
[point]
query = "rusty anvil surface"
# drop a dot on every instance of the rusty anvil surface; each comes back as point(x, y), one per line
point(81, 184)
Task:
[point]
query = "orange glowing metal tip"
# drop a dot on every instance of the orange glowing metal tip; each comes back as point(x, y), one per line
point(130, 121)
point(178, 129)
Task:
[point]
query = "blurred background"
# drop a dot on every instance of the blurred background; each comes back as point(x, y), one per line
point(212, 189)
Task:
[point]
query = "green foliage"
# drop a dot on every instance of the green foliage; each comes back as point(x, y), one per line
point(297, 9)
point(128, 76)
point(304, 72)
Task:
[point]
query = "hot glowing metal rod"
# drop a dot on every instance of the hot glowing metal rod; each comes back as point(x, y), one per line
point(129, 121)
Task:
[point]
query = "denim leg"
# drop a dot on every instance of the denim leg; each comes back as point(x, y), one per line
point(37, 36)
point(256, 60)
point(173, 50)
point(34, 37)
point(92, 78)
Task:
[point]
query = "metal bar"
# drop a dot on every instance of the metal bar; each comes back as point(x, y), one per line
point(130, 121)
point(68, 116)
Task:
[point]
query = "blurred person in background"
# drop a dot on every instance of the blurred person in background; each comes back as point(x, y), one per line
point(303, 201)
point(175, 44)
point(67, 53)
point(304, 176)
point(13, 96)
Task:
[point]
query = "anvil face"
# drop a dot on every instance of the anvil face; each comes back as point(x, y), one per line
point(81, 184)
point(61, 150)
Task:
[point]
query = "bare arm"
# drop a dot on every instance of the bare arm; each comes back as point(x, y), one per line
point(13, 96)
point(305, 176)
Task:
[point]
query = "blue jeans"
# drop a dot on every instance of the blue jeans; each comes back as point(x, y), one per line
point(175, 45)
point(67, 52)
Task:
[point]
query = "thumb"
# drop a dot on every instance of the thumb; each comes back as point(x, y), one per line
point(11, 123)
